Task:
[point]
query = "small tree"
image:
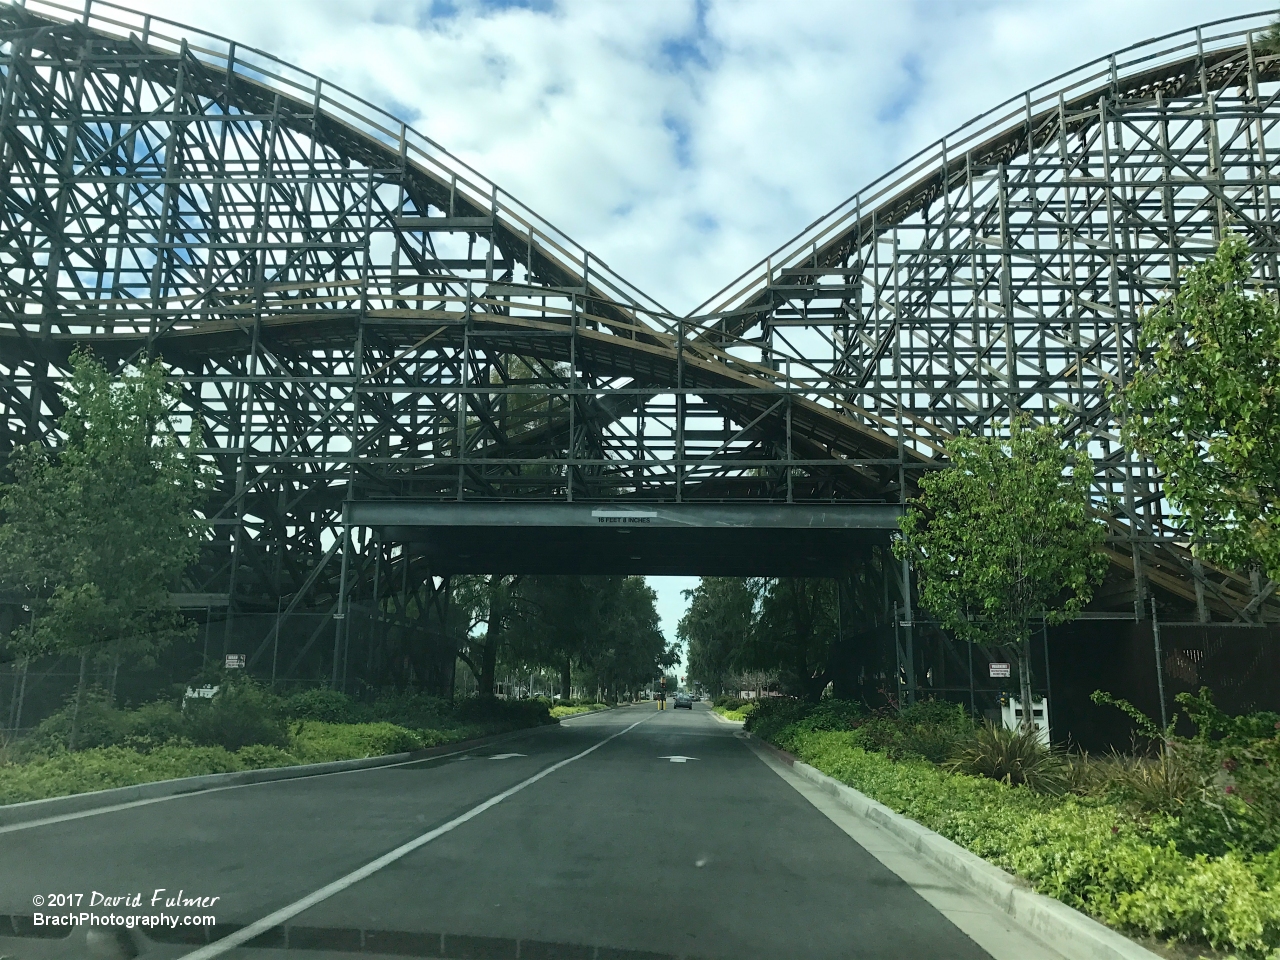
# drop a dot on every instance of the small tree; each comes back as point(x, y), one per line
point(99, 530)
point(1004, 537)
point(1205, 407)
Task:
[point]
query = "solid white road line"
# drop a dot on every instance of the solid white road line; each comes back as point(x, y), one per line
point(243, 935)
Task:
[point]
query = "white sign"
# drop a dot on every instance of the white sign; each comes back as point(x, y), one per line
point(235, 661)
point(999, 669)
point(614, 515)
point(202, 693)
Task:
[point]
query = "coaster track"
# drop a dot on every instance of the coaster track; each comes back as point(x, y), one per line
point(353, 313)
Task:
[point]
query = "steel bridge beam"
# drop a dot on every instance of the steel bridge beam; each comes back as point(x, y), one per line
point(688, 539)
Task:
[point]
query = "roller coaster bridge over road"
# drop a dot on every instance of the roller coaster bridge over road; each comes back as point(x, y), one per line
point(402, 372)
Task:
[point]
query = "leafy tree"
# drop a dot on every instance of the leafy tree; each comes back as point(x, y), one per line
point(1205, 407)
point(795, 631)
point(563, 616)
point(99, 529)
point(1268, 43)
point(631, 650)
point(491, 602)
point(716, 626)
point(1005, 536)
point(608, 626)
point(783, 626)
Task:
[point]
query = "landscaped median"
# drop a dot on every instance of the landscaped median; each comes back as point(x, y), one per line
point(732, 708)
point(572, 708)
point(243, 728)
point(1081, 833)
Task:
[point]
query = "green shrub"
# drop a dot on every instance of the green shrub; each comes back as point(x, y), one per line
point(1236, 806)
point(314, 741)
point(514, 712)
point(833, 714)
point(102, 768)
point(775, 714)
point(1227, 792)
point(331, 706)
point(579, 702)
point(735, 704)
point(411, 710)
point(935, 742)
point(256, 756)
point(242, 712)
point(930, 729)
point(742, 713)
point(1015, 757)
point(562, 709)
point(154, 725)
point(242, 727)
point(1212, 724)
point(939, 712)
point(100, 724)
point(877, 735)
point(1146, 784)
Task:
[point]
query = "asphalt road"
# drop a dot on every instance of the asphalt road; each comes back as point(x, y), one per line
point(582, 840)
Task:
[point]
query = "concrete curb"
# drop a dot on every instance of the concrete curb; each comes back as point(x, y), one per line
point(732, 723)
point(15, 813)
point(1066, 930)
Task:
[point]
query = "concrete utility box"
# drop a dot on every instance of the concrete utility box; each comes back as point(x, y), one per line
point(1011, 714)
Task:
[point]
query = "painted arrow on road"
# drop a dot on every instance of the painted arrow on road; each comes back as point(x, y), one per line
point(677, 759)
point(506, 756)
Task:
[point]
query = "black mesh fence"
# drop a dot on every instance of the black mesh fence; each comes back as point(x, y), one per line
point(1239, 664)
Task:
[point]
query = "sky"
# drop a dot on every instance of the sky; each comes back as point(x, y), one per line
point(682, 140)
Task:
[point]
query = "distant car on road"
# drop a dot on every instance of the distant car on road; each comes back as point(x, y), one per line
point(683, 700)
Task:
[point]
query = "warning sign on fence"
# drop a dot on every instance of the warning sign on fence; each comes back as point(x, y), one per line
point(235, 661)
point(999, 670)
